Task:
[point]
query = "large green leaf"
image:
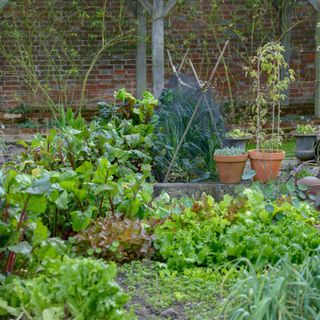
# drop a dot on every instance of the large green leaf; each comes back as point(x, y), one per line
point(5, 309)
point(23, 248)
point(85, 168)
point(104, 171)
point(37, 204)
point(62, 200)
point(40, 233)
point(54, 313)
point(81, 220)
point(39, 186)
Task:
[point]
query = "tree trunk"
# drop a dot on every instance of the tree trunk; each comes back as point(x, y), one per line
point(141, 64)
point(286, 19)
point(158, 47)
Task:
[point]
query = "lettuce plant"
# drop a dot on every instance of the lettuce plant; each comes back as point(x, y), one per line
point(80, 288)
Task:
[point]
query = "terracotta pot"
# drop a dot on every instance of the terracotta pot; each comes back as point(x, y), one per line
point(230, 168)
point(266, 164)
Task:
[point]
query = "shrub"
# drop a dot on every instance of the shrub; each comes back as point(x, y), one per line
point(66, 289)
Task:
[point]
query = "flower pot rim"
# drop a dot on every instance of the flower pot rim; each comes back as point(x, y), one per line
point(267, 155)
point(305, 135)
point(267, 151)
point(247, 137)
point(228, 158)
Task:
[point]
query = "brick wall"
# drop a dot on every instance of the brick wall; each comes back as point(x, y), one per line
point(198, 25)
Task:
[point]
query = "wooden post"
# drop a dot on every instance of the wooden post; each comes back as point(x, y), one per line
point(317, 95)
point(141, 63)
point(286, 19)
point(158, 47)
point(159, 10)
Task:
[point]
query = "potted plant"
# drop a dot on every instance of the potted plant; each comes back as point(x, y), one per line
point(237, 138)
point(230, 163)
point(306, 136)
point(269, 89)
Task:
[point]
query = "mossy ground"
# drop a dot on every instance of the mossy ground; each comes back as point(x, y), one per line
point(157, 293)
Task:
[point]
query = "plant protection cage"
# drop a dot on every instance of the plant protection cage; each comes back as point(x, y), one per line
point(191, 125)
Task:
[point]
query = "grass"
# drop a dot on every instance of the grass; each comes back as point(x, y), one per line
point(289, 146)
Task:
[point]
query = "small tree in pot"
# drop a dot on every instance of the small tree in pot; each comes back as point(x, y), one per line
point(269, 89)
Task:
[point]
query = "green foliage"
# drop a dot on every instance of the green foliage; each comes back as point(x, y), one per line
point(78, 288)
point(237, 133)
point(305, 129)
point(23, 202)
point(194, 160)
point(141, 111)
point(265, 231)
point(65, 64)
point(207, 233)
point(285, 291)
point(229, 151)
point(94, 169)
point(68, 178)
point(117, 239)
point(192, 238)
point(269, 89)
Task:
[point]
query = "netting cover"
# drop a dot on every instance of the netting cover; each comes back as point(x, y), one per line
point(183, 100)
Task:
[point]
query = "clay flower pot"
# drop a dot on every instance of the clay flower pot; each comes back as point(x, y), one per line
point(230, 168)
point(266, 164)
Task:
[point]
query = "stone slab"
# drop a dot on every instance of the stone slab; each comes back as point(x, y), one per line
point(177, 190)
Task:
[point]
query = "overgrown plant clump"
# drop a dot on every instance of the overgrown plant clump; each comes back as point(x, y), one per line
point(80, 288)
point(77, 174)
point(192, 238)
point(283, 291)
point(194, 161)
point(207, 233)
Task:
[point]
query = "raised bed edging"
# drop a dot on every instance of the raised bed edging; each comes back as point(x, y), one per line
point(216, 189)
point(178, 190)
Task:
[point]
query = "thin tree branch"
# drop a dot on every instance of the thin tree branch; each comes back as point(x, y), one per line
point(315, 4)
point(133, 7)
point(170, 4)
point(147, 6)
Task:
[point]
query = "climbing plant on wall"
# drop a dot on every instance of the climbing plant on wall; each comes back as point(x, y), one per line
point(42, 42)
